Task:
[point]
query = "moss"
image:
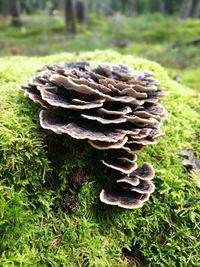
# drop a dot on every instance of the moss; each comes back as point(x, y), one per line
point(191, 78)
point(34, 229)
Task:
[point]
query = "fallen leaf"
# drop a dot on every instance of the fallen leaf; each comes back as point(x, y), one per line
point(190, 163)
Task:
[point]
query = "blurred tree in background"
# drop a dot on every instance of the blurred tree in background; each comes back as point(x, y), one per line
point(15, 11)
point(78, 9)
point(70, 14)
point(81, 10)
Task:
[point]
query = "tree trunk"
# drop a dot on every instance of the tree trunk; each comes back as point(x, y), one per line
point(5, 7)
point(42, 4)
point(81, 10)
point(56, 4)
point(186, 8)
point(196, 10)
point(15, 13)
point(70, 16)
point(162, 5)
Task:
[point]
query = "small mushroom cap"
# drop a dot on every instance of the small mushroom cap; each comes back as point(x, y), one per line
point(138, 180)
point(34, 81)
point(35, 97)
point(145, 172)
point(131, 200)
point(146, 115)
point(121, 165)
point(143, 141)
point(128, 159)
point(120, 154)
point(59, 124)
point(144, 132)
point(103, 120)
point(133, 148)
point(69, 84)
point(132, 183)
point(108, 145)
point(64, 101)
point(132, 92)
point(129, 180)
point(150, 122)
point(145, 186)
point(156, 110)
point(120, 111)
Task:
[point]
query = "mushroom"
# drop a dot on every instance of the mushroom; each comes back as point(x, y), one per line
point(114, 108)
point(121, 165)
point(127, 200)
point(133, 189)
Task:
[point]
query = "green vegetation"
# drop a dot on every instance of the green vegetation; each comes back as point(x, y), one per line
point(151, 36)
point(34, 231)
point(156, 37)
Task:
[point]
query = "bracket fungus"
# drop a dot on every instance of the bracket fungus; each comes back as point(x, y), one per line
point(113, 107)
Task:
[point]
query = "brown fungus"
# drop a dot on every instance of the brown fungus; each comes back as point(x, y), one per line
point(114, 108)
point(123, 199)
point(121, 165)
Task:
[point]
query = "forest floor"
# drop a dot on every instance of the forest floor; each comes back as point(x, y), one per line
point(159, 38)
point(34, 229)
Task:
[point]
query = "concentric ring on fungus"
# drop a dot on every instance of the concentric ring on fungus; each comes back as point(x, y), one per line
point(113, 107)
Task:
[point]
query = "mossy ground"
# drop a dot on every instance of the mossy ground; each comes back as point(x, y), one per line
point(34, 231)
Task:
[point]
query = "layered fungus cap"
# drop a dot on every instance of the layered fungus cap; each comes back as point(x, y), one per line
point(114, 108)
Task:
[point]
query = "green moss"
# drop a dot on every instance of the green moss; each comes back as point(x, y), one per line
point(191, 78)
point(34, 231)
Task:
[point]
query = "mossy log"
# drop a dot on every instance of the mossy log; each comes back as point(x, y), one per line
point(38, 170)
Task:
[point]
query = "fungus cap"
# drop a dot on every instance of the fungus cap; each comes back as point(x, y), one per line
point(114, 108)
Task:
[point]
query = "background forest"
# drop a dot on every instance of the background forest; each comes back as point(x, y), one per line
point(165, 31)
point(35, 229)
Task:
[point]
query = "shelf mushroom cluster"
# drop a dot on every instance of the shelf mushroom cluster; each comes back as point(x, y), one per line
point(113, 107)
